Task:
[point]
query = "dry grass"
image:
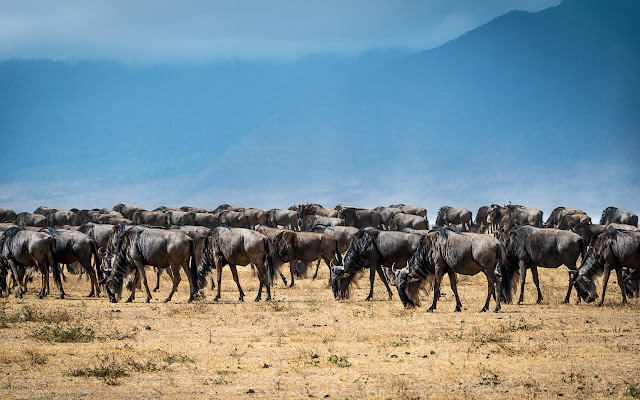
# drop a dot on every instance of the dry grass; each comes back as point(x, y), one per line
point(306, 345)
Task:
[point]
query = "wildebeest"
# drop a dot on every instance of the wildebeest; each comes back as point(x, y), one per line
point(588, 231)
point(256, 217)
point(193, 209)
point(444, 250)
point(7, 215)
point(309, 222)
point(209, 220)
point(611, 249)
point(360, 217)
point(197, 234)
point(374, 249)
point(61, 217)
point(386, 214)
point(234, 219)
point(402, 221)
point(153, 218)
point(342, 234)
point(137, 247)
point(127, 211)
point(71, 246)
point(227, 207)
point(452, 215)
point(558, 214)
point(529, 247)
point(413, 210)
point(20, 248)
point(235, 246)
point(519, 215)
point(315, 209)
point(84, 216)
point(181, 217)
point(495, 214)
point(289, 246)
point(616, 215)
point(622, 227)
point(569, 221)
point(482, 222)
point(26, 219)
point(288, 219)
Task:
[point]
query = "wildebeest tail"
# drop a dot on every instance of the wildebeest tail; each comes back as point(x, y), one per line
point(194, 269)
point(269, 262)
point(510, 273)
point(583, 248)
point(96, 260)
point(55, 268)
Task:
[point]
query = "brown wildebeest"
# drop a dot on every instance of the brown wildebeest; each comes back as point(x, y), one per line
point(289, 246)
point(193, 209)
point(26, 219)
point(452, 216)
point(342, 234)
point(256, 217)
point(20, 248)
point(7, 215)
point(360, 218)
point(558, 214)
point(235, 246)
point(181, 217)
point(288, 219)
point(443, 250)
point(309, 222)
point(234, 219)
point(153, 218)
point(529, 247)
point(611, 249)
point(402, 221)
point(482, 222)
point(315, 209)
point(622, 227)
point(569, 221)
point(127, 211)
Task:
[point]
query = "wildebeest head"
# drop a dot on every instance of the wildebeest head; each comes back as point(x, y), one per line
point(406, 284)
point(340, 281)
point(584, 279)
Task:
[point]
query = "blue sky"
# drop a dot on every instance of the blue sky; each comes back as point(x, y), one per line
point(267, 104)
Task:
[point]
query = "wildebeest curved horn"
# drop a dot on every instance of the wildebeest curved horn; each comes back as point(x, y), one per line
point(331, 264)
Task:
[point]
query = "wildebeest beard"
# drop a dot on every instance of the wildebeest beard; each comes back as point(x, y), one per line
point(590, 270)
point(420, 278)
point(355, 261)
point(123, 266)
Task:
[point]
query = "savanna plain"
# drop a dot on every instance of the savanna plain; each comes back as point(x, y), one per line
point(304, 344)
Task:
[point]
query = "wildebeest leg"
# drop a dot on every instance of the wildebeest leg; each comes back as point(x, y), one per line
point(453, 281)
point(136, 279)
point(234, 273)
point(219, 279)
point(439, 270)
point(175, 274)
point(523, 276)
point(18, 274)
point(372, 277)
point(284, 280)
point(158, 273)
point(493, 280)
point(621, 284)
point(95, 290)
point(213, 284)
point(566, 298)
point(45, 280)
point(144, 280)
point(383, 278)
point(534, 275)
point(605, 280)
point(316, 273)
point(292, 270)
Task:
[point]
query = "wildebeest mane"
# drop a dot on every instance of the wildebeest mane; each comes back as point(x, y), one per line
point(606, 215)
point(356, 257)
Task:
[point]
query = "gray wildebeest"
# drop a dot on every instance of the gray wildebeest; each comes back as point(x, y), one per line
point(386, 214)
point(374, 249)
point(210, 220)
point(307, 247)
point(181, 217)
point(448, 216)
point(588, 231)
point(127, 211)
point(482, 221)
point(360, 217)
point(614, 215)
point(529, 247)
point(20, 248)
point(622, 227)
point(309, 222)
point(256, 217)
point(26, 219)
point(235, 246)
point(558, 213)
point(569, 221)
point(315, 209)
point(7, 215)
point(342, 234)
point(519, 215)
point(193, 209)
point(287, 219)
point(444, 250)
point(402, 221)
point(61, 217)
point(152, 218)
point(413, 210)
point(71, 246)
point(234, 219)
point(611, 249)
point(137, 247)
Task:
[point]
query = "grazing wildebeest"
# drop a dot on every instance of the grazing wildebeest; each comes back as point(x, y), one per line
point(342, 234)
point(26, 219)
point(193, 209)
point(452, 215)
point(529, 247)
point(622, 227)
point(289, 246)
point(127, 211)
point(631, 278)
point(209, 220)
point(137, 247)
point(256, 217)
point(181, 217)
point(588, 231)
point(558, 214)
point(372, 248)
point(20, 248)
point(360, 217)
point(611, 249)
point(612, 215)
point(7, 215)
point(235, 246)
point(309, 222)
point(315, 209)
point(569, 221)
point(71, 246)
point(271, 234)
point(401, 221)
point(288, 219)
point(234, 219)
point(153, 218)
point(482, 222)
point(443, 250)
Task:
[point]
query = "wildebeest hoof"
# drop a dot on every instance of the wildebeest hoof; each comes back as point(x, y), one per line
point(431, 309)
point(257, 298)
point(484, 309)
point(369, 298)
point(240, 299)
point(155, 289)
point(539, 300)
point(458, 309)
point(565, 301)
point(218, 298)
point(129, 300)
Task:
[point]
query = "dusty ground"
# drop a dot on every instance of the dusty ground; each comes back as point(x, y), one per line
point(306, 345)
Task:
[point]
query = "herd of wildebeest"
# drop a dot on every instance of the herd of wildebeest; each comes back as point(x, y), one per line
point(113, 247)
